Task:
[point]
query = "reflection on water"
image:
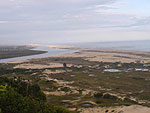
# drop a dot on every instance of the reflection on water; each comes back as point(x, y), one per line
point(51, 52)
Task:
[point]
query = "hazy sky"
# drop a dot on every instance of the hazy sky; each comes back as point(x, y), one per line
point(63, 21)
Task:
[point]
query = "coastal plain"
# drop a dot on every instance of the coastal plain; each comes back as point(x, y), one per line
point(82, 81)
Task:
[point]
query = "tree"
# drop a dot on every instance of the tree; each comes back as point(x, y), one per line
point(36, 93)
point(11, 101)
point(65, 65)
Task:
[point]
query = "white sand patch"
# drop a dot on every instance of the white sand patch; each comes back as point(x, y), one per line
point(18, 61)
point(73, 89)
point(63, 47)
point(40, 66)
point(60, 46)
point(123, 109)
point(56, 93)
point(54, 72)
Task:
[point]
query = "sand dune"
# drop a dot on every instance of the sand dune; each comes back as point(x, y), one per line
point(123, 109)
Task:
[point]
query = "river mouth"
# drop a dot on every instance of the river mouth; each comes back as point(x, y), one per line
point(50, 52)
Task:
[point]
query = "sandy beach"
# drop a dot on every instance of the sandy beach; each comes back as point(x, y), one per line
point(100, 55)
point(108, 55)
point(105, 55)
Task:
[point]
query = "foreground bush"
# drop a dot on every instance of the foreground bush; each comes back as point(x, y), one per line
point(22, 97)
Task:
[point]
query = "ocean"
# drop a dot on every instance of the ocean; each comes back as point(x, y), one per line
point(140, 45)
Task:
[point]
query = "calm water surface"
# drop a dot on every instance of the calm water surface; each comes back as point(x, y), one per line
point(51, 52)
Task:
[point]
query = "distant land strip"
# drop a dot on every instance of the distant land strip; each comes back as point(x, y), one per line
point(12, 53)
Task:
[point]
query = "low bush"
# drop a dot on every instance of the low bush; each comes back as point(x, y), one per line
point(98, 95)
point(108, 96)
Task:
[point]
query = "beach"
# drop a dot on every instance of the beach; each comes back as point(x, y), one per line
point(111, 55)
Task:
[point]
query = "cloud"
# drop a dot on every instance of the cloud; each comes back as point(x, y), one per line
point(139, 25)
point(105, 7)
point(36, 19)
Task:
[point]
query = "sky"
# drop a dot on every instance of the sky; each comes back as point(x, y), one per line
point(72, 21)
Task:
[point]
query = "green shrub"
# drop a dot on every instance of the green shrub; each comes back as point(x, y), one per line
point(99, 102)
point(129, 101)
point(65, 89)
point(20, 97)
point(35, 92)
point(98, 95)
point(108, 96)
point(12, 102)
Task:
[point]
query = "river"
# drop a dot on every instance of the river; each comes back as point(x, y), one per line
point(50, 52)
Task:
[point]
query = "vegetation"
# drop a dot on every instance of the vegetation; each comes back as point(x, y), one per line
point(108, 96)
point(75, 88)
point(18, 96)
point(98, 95)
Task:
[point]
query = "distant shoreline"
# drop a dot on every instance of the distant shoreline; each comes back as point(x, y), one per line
point(102, 55)
point(33, 52)
point(99, 55)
